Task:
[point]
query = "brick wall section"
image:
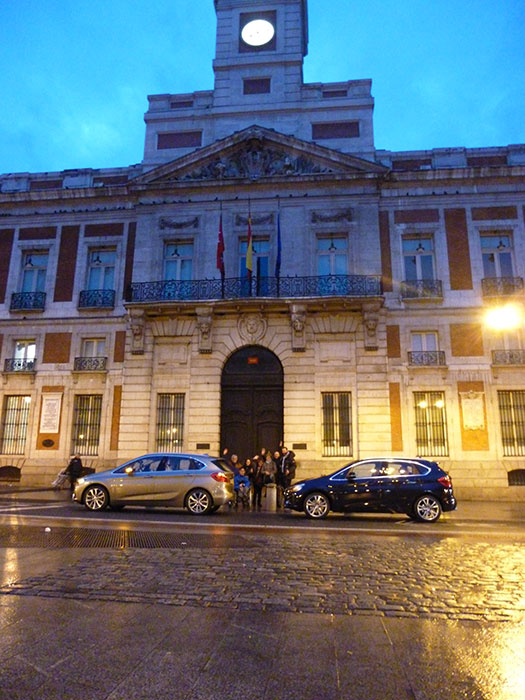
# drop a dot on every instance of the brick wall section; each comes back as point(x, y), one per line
point(458, 249)
point(386, 253)
point(94, 230)
point(57, 347)
point(120, 346)
point(473, 440)
point(396, 425)
point(37, 233)
point(130, 257)
point(466, 339)
point(393, 342)
point(416, 216)
point(67, 262)
point(494, 213)
point(6, 248)
point(115, 417)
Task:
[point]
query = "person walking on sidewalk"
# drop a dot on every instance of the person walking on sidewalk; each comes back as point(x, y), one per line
point(74, 471)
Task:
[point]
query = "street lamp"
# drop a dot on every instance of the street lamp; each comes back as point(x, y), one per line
point(505, 318)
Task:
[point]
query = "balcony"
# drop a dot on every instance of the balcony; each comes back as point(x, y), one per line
point(508, 357)
point(427, 358)
point(96, 299)
point(17, 364)
point(501, 286)
point(28, 301)
point(90, 364)
point(426, 290)
point(264, 287)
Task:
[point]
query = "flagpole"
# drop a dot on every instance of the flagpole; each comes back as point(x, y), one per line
point(279, 246)
point(220, 251)
point(249, 248)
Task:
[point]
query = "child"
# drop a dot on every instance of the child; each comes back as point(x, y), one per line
point(241, 486)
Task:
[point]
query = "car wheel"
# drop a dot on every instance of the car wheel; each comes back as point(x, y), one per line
point(316, 505)
point(427, 508)
point(96, 498)
point(199, 502)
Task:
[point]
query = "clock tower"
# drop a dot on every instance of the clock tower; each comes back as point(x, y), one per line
point(260, 49)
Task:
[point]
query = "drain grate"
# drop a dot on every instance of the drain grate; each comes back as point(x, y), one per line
point(83, 538)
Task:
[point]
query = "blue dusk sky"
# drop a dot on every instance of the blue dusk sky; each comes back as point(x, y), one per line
point(74, 74)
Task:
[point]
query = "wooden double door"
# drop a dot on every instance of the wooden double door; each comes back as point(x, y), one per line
point(251, 401)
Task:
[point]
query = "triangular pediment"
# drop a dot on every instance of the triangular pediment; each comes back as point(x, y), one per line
point(256, 153)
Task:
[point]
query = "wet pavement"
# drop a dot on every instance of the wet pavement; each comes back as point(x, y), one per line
point(121, 613)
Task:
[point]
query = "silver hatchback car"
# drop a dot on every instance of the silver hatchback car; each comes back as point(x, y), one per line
point(200, 483)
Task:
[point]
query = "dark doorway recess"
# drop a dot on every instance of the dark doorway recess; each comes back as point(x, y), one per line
point(251, 401)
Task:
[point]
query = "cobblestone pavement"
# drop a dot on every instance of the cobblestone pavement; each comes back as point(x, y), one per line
point(454, 579)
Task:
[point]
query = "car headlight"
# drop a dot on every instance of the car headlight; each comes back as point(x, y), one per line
point(297, 487)
point(81, 481)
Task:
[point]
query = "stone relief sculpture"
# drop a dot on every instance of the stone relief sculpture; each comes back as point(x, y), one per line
point(371, 320)
point(178, 224)
point(136, 324)
point(298, 323)
point(252, 327)
point(332, 217)
point(254, 160)
point(204, 324)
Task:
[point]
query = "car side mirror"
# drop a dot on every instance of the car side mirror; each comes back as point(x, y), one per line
point(350, 475)
point(129, 471)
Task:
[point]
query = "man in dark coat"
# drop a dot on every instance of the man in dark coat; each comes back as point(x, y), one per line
point(287, 466)
point(74, 471)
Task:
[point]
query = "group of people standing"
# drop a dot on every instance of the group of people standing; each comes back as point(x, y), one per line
point(255, 473)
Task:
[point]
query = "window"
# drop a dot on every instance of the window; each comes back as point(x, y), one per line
point(178, 260)
point(332, 256)
point(424, 342)
point(496, 251)
point(15, 419)
point(170, 422)
point(93, 347)
point(337, 427)
point(431, 424)
point(87, 414)
point(24, 356)
point(34, 267)
point(101, 272)
point(512, 418)
point(418, 258)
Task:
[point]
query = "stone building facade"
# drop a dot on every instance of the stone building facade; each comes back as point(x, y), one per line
point(359, 330)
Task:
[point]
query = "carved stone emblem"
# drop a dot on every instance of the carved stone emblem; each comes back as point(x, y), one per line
point(332, 217)
point(371, 319)
point(252, 327)
point(178, 224)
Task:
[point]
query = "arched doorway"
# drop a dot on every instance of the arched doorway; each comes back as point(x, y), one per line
point(251, 401)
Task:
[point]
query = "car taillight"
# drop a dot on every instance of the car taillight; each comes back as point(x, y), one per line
point(220, 477)
point(445, 481)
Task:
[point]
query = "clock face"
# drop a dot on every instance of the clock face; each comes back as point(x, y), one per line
point(258, 32)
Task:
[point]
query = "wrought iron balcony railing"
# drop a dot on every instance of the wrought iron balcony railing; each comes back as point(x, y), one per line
point(96, 299)
point(421, 289)
point(28, 301)
point(427, 358)
point(501, 286)
point(90, 364)
point(508, 357)
point(270, 287)
point(17, 364)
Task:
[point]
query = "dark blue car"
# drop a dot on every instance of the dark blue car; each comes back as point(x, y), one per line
point(417, 487)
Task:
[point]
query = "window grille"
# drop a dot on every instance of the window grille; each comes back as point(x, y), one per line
point(170, 422)
point(512, 419)
point(15, 420)
point(87, 413)
point(337, 424)
point(431, 424)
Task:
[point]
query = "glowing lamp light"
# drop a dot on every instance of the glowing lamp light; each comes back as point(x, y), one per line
point(439, 403)
point(504, 318)
point(423, 404)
